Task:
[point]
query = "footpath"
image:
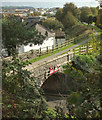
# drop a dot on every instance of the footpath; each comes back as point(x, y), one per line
point(56, 54)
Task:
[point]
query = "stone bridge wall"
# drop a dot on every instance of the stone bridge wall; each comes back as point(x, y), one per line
point(41, 71)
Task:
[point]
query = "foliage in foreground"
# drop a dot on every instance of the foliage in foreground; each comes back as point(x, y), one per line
point(85, 99)
point(22, 97)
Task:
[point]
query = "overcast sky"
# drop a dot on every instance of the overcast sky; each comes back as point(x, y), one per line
point(48, 0)
point(49, 3)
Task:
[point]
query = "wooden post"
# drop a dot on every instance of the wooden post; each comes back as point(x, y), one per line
point(40, 50)
point(87, 47)
point(52, 48)
point(47, 49)
point(57, 46)
point(67, 57)
point(80, 51)
point(61, 44)
point(73, 52)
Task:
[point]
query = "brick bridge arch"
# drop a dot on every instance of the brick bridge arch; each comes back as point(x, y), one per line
point(41, 71)
point(57, 83)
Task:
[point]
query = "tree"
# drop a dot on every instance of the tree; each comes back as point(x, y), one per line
point(70, 7)
point(51, 23)
point(94, 19)
point(85, 13)
point(94, 11)
point(15, 33)
point(90, 19)
point(99, 19)
point(59, 14)
point(46, 33)
point(69, 20)
point(68, 12)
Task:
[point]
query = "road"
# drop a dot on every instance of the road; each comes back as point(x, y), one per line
point(55, 55)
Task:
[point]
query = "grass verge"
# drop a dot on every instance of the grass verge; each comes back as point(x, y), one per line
point(47, 55)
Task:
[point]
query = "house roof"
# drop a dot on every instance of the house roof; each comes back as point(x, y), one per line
point(59, 34)
point(43, 30)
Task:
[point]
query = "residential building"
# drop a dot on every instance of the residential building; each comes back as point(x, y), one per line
point(48, 42)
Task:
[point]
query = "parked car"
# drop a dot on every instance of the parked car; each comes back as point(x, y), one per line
point(4, 52)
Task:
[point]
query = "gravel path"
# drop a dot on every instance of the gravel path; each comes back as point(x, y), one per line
point(55, 55)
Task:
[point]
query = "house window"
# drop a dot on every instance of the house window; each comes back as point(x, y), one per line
point(30, 45)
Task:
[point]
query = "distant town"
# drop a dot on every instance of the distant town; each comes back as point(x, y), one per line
point(28, 11)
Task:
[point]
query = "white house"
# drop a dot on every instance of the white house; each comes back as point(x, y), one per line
point(49, 41)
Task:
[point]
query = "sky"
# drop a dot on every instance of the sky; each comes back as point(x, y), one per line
point(47, 0)
point(50, 3)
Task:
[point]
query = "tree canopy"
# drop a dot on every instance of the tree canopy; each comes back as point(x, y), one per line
point(69, 20)
point(94, 11)
point(70, 7)
point(99, 19)
point(85, 13)
point(52, 23)
point(68, 12)
point(59, 14)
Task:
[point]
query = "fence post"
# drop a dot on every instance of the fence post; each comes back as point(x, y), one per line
point(73, 52)
point(52, 48)
point(47, 49)
point(40, 50)
point(80, 51)
point(57, 46)
point(61, 44)
point(87, 47)
point(67, 41)
point(67, 57)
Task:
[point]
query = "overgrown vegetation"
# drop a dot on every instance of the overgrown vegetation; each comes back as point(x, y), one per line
point(84, 100)
point(22, 96)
